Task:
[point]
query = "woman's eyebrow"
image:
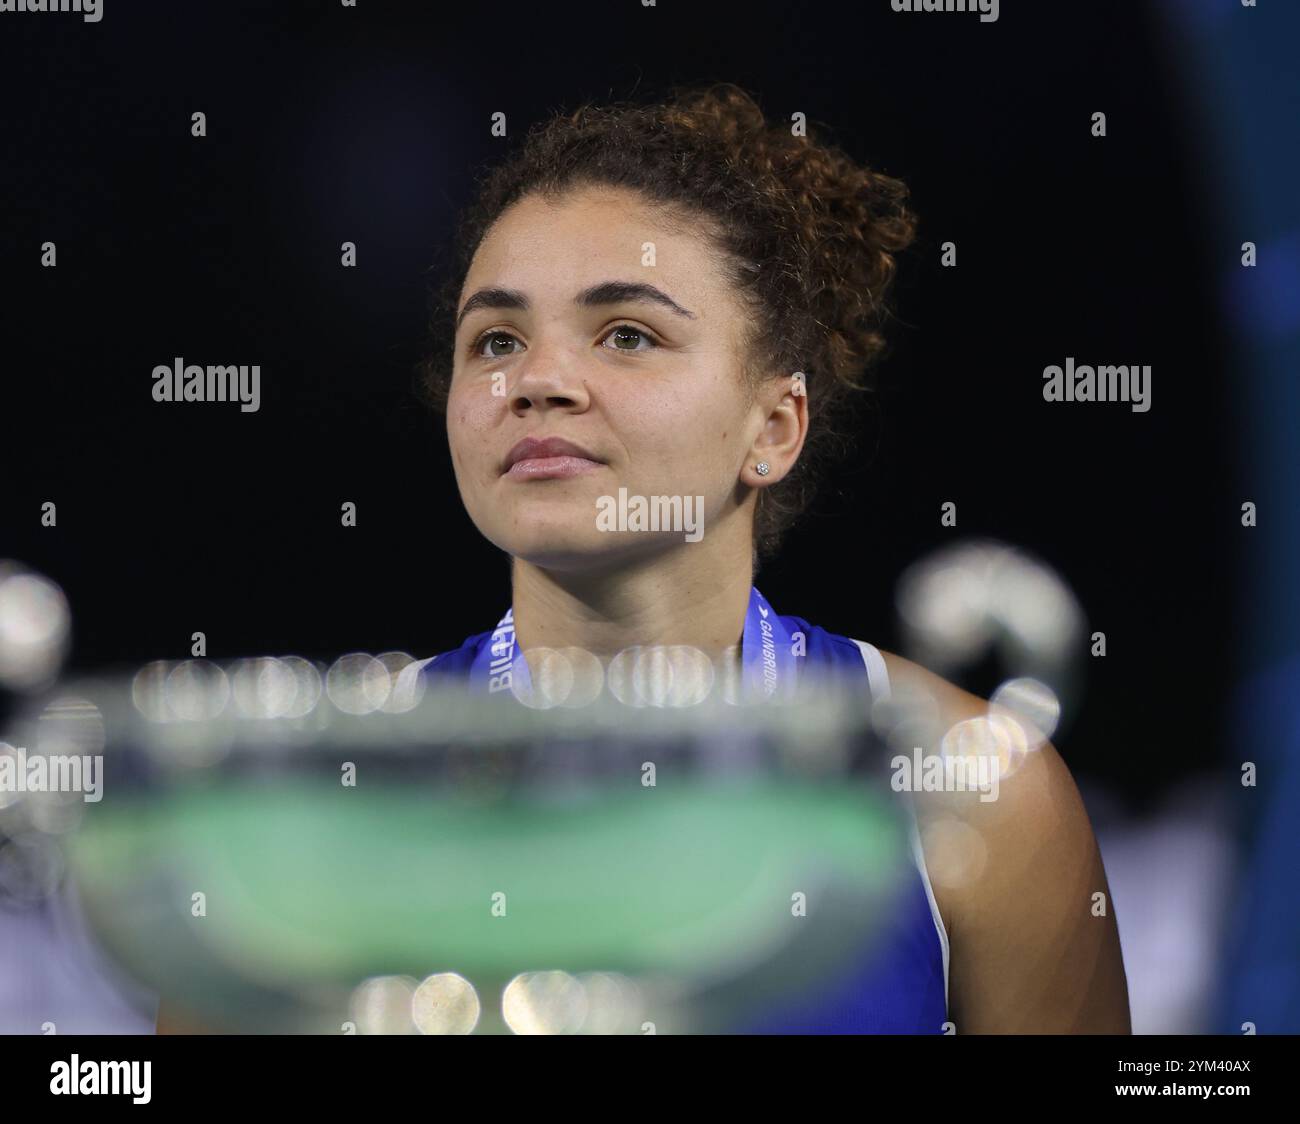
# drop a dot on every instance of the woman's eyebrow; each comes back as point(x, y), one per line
point(607, 292)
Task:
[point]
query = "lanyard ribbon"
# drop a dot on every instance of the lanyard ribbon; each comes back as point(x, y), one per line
point(767, 656)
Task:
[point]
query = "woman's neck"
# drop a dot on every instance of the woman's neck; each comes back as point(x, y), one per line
point(682, 596)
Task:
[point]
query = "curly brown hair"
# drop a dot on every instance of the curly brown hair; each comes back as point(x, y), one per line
point(807, 235)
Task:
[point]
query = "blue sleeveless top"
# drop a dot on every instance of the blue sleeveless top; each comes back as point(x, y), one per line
point(902, 987)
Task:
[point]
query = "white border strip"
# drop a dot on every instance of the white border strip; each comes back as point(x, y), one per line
point(407, 677)
point(919, 856)
point(878, 681)
point(877, 673)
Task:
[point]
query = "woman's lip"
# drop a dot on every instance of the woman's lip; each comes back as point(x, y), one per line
point(535, 468)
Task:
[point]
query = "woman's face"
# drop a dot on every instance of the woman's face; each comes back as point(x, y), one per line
point(649, 388)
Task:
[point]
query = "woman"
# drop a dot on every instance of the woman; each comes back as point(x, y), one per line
point(677, 301)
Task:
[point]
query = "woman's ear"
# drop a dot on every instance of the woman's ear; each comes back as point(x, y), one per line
point(781, 438)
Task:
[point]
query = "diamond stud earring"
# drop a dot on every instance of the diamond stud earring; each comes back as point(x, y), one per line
point(762, 468)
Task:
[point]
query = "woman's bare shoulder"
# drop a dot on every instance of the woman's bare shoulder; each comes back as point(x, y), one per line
point(1015, 869)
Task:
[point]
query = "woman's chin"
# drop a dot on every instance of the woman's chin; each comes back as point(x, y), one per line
point(576, 552)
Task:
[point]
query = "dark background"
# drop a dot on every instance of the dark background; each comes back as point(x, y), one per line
point(328, 124)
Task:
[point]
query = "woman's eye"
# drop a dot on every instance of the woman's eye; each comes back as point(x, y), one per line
point(490, 338)
point(621, 334)
point(625, 337)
